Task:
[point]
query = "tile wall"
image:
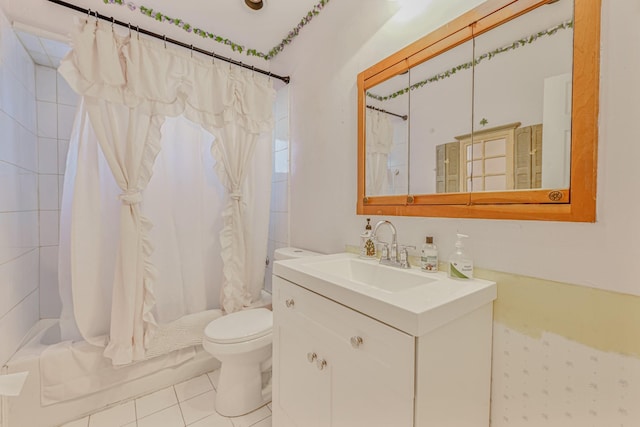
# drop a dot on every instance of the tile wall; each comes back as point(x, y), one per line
point(279, 211)
point(37, 110)
point(19, 239)
point(56, 106)
point(553, 381)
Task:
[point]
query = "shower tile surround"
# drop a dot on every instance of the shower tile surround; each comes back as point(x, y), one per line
point(279, 210)
point(190, 403)
point(19, 239)
point(56, 105)
point(36, 115)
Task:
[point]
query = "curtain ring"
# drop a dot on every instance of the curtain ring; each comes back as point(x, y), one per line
point(113, 20)
point(138, 32)
point(88, 14)
point(213, 57)
point(96, 17)
point(253, 72)
point(129, 26)
point(164, 37)
point(269, 75)
point(192, 51)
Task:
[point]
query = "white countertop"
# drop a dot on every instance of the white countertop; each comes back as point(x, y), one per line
point(415, 310)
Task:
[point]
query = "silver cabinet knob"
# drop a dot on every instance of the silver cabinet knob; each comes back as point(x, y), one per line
point(356, 341)
point(290, 303)
point(321, 364)
point(311, 357)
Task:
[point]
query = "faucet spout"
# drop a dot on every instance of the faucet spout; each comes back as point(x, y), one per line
point(392, 257)
point(394, 237)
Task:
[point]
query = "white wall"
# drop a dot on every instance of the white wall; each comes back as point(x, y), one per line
point(547, 379)
point(19, 255)
point(323, 136)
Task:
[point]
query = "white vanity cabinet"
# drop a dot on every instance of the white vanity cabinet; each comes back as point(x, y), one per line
point(334, 366)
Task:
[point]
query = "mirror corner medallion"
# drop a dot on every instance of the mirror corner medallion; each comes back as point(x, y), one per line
point(483, 143)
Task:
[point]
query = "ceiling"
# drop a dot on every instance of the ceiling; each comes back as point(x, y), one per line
point(261, 30)
point(45, 50)
point(44, 27)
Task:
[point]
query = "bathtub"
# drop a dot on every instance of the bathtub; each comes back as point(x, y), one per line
point(28, 410)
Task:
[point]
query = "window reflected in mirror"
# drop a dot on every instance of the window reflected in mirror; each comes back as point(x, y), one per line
point(441, 106)
point(522, 75)
point(502, 106)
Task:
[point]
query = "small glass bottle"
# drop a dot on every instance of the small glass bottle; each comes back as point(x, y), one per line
point(367, 245)
point(429, 256)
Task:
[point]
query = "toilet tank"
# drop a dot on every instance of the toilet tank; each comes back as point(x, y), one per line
point(291, 253)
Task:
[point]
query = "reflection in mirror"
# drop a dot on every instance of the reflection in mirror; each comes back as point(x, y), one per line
point(521, 135)
point(441, 107)
point(386, 137)
point(529, 150)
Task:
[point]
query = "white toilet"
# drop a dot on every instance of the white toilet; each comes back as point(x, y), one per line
point(241, 341)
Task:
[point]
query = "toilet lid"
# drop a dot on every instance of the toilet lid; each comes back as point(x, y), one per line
point(240, 326)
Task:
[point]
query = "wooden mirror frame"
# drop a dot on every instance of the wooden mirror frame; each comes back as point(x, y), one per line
point(577, 203)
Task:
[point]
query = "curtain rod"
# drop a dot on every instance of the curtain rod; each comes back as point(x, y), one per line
point(405, 117)
point(164, 38)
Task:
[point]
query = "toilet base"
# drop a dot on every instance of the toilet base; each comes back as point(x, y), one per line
point(240, 390)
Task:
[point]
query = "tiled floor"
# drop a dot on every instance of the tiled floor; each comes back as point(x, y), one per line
point(191, 403)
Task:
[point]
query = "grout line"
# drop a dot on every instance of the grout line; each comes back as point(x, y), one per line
point(135, 410)
point(18, 166)
point(25, 211)
point(14, 307)
point(175, 393)
point(20, 256)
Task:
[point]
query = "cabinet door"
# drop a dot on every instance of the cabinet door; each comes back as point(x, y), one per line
point(303, 392)
point(367, 382)
point(373, 381)
point(301, 386)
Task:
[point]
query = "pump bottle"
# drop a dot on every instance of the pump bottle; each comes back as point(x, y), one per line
point(460, 263)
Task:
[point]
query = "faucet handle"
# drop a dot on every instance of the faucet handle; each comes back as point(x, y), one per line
point(404, 256)
point(405, 248)
point(384, 253)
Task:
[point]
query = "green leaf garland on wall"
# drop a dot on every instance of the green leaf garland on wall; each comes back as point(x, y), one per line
point(467, 65)
point(161, 17)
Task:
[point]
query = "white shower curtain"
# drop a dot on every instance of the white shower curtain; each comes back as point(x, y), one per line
point(129, 87)
point(379, 137)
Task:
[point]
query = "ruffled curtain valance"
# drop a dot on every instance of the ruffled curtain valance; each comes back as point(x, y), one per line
point(141, 73)
point(129, 86)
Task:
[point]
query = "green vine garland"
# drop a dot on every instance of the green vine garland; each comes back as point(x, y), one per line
point(161, 17)
point(467, 65)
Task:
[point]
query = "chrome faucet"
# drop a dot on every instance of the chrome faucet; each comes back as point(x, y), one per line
point(390, 255)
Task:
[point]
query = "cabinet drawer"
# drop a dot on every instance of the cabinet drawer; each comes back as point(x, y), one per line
point(371, 344)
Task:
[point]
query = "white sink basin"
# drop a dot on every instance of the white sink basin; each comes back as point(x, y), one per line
point(408, 299)
point(385, 278)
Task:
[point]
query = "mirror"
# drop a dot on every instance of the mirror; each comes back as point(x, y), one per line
point(502, 113)
point(521, 133)
point(441, 107)
point(387, 127)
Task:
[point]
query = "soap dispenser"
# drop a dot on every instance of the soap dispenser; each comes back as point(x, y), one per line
point(460, 263)
point(367, 245)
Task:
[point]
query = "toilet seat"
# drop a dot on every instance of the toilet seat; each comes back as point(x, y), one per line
point(240, 326)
